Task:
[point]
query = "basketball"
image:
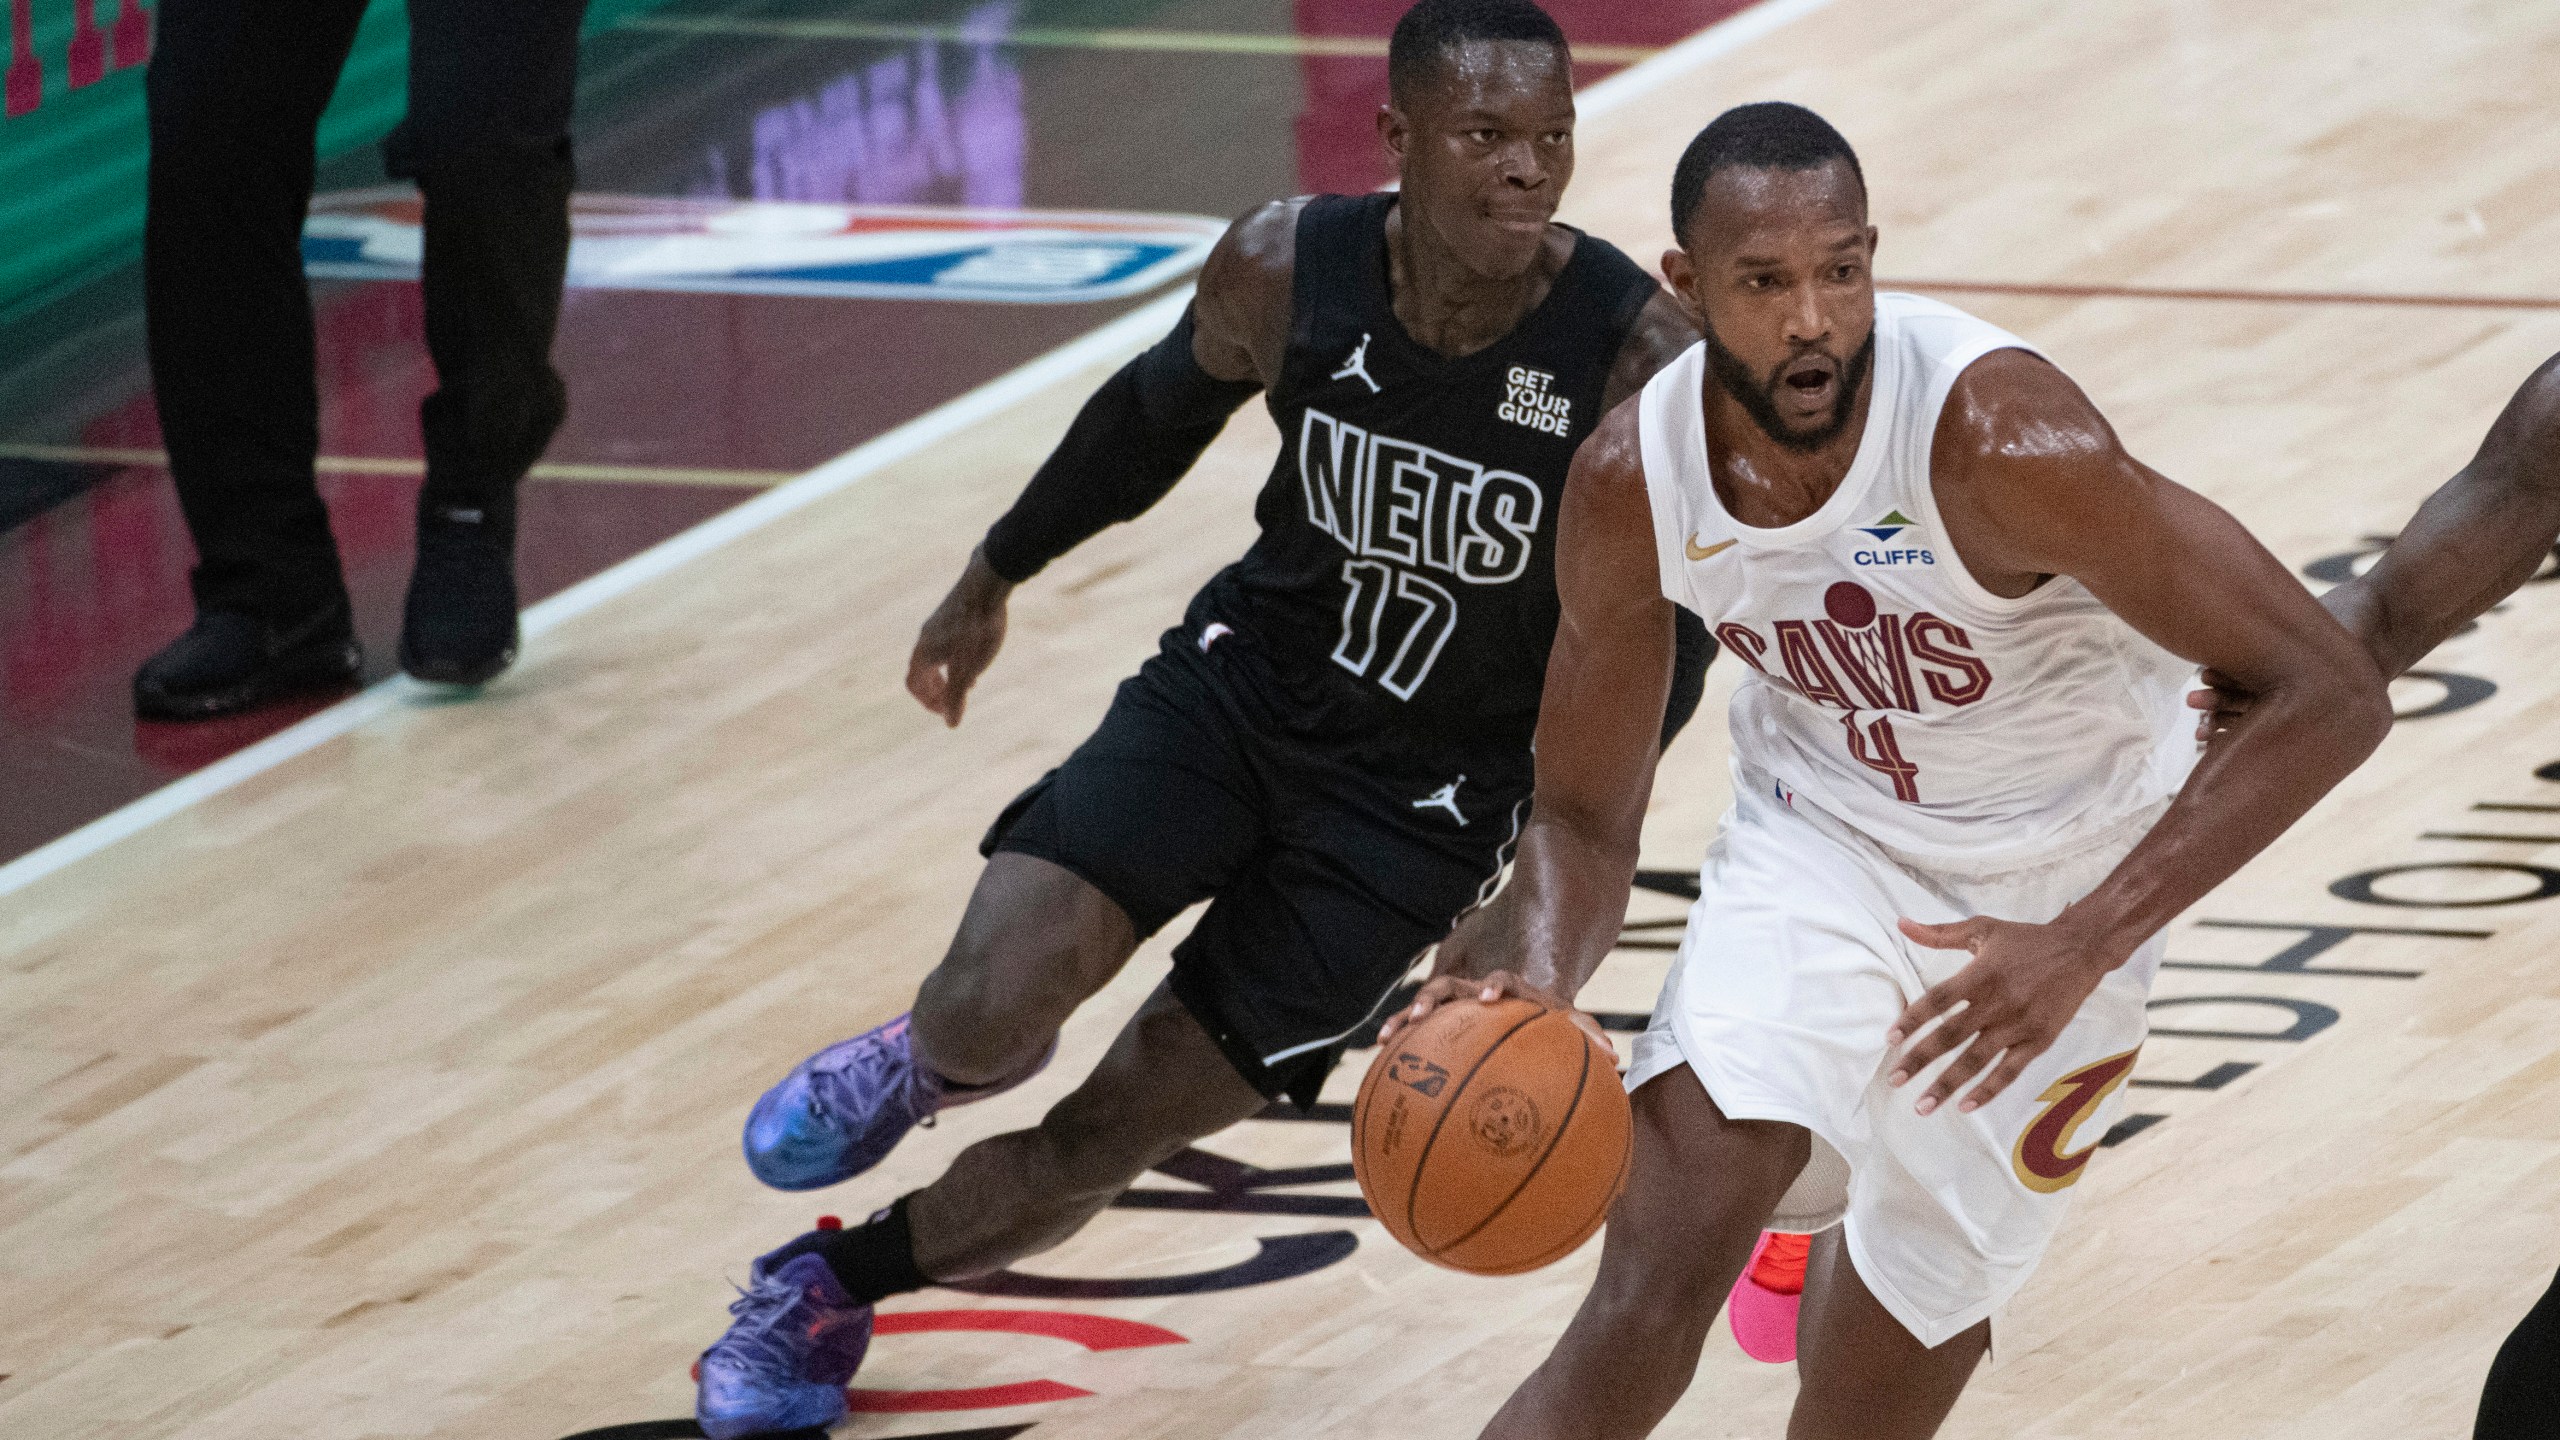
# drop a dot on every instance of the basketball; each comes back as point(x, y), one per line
point(1491, 1138)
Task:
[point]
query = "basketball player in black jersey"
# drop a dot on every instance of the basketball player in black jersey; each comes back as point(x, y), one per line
point(1332, 748)
point(2475, 542)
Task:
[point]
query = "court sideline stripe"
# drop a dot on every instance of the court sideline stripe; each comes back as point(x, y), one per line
point(1124, 334)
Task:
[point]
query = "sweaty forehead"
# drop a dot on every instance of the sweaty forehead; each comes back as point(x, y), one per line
point(1497, 76)
point(1748, 208)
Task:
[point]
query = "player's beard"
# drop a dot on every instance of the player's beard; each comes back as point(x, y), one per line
point(1754, 394)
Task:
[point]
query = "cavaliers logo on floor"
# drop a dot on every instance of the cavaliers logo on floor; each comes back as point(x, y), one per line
point(763, 247)
point(2043, 1165)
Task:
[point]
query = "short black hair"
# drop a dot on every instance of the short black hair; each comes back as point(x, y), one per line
point(1429, 30)
point(1769, 135)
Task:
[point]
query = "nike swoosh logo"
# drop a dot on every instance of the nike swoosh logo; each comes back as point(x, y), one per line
point(1707, 552)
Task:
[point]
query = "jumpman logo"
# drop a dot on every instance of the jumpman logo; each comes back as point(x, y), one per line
point(1445, 798)
point(1357, 367)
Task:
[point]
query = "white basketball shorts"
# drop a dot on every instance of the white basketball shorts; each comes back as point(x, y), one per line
point(1790, 974)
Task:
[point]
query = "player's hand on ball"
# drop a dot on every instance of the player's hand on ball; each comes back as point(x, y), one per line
point(959, 641)
point(1443, 988)
point(1484, 942)
point(2002, 1010)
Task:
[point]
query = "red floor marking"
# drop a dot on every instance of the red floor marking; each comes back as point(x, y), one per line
point(985, 1397)
point(1093, 1332)
point(2241, 297)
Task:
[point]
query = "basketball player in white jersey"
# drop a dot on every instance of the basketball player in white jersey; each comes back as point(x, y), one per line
point(1928, 925)
point(2475, 542)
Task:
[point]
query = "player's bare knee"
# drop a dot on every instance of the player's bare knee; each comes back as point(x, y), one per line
point(1036, 942)
point(984, 1014)
point(979, 1031)
point(961, 1032)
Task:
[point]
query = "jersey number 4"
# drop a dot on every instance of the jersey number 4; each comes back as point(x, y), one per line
point(1874, 748)
point(1393, 625)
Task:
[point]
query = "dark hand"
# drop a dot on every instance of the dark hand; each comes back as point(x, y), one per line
point(2221, 701)
point(2354, 604)
point(959, 640)
point(1444, 988)
point(2021, 988)
point(1484, 942)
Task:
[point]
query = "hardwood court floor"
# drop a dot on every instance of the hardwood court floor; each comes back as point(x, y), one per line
point(395, 1092)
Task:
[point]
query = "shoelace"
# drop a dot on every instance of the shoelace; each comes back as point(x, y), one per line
point(867, 1063)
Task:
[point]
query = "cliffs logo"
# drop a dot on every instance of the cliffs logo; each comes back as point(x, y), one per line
point(2043, 1165)
point(762, 247)
point(1886, 532)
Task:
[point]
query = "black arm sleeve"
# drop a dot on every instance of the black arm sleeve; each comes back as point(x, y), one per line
point(1692, 650)
point(1138, 435)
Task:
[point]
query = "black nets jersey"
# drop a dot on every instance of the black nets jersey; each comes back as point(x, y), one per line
point(1404, 579)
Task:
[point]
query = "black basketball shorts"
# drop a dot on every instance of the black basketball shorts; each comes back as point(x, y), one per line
point(1329, 866)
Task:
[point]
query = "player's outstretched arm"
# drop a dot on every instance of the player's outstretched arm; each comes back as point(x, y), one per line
point(1599, 724)
point(2476, 540)
point(2033, 482)
point(1137, 436)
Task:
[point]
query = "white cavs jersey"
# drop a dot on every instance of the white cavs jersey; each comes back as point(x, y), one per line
point(1906, 745)
point(1960, 730)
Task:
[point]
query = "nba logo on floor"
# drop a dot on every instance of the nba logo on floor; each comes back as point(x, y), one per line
point(754, 247)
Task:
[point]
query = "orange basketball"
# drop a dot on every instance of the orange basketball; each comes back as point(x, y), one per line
point(1491, 1138)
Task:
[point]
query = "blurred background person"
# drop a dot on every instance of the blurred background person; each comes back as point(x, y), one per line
point(236, 88)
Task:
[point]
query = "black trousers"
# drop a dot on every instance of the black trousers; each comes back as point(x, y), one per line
point(236, 88)
point(2522, 1398)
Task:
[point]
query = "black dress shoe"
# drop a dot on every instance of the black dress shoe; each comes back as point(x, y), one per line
point(460, 624)
point(228, 662)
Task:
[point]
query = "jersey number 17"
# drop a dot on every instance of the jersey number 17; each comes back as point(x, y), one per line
point(1393, 625)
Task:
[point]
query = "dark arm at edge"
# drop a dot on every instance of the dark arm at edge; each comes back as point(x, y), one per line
point(2475, 540)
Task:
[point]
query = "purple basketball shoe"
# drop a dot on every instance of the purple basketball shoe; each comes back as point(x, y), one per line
point(784, 1364)
point(842, 1110)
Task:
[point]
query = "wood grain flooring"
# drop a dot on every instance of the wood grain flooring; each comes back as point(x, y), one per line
point(396, 1092)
